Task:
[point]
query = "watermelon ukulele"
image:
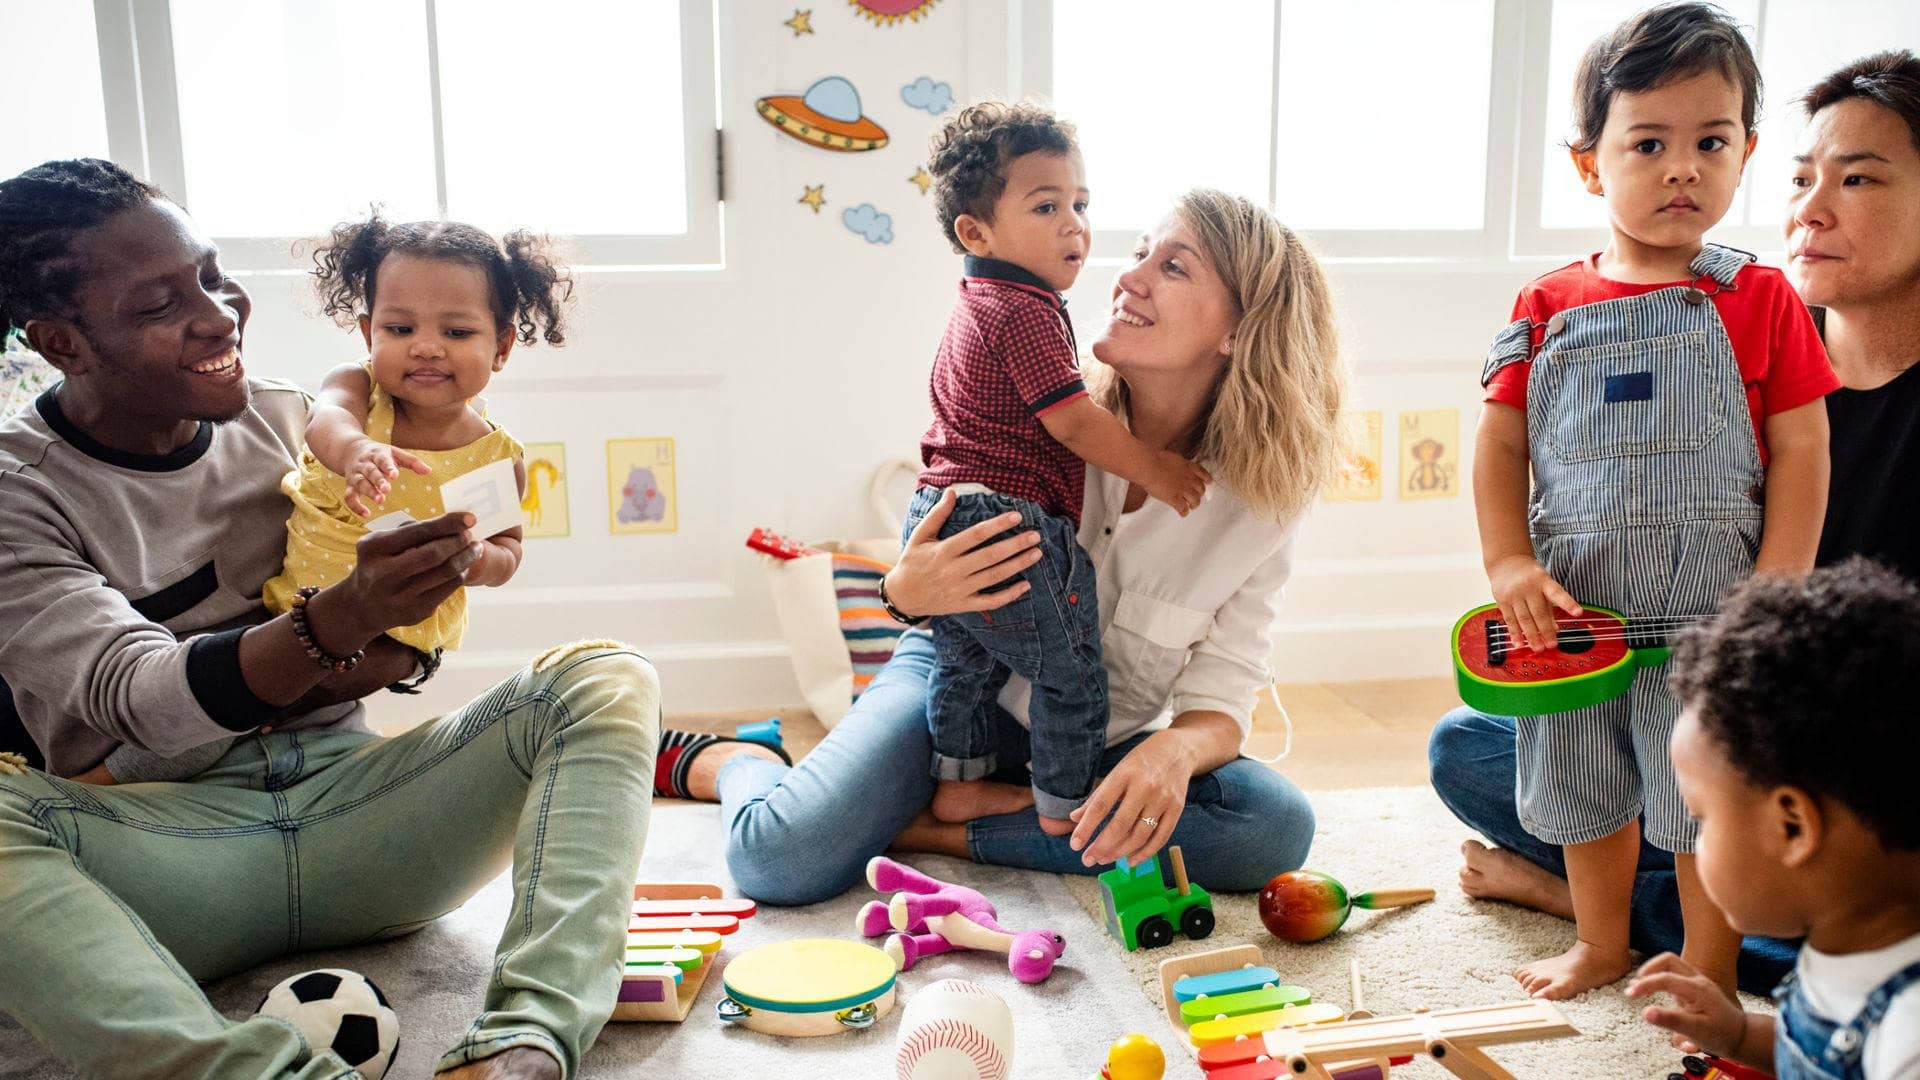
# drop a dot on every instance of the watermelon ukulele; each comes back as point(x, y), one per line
point(1593, 661)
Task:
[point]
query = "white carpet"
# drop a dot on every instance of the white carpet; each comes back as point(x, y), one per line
point(1449, 953)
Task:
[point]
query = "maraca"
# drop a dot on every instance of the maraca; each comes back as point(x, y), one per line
point(1303, 906)
point(1135, 1057)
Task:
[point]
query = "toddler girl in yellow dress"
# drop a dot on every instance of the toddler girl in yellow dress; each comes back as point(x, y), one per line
point(440, 305)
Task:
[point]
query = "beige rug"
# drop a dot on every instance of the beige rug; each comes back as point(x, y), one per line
point(1450, 953)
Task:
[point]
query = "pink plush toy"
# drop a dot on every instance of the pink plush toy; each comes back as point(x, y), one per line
point(933, 917)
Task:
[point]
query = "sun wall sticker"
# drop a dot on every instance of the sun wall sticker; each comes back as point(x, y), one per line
point(888, 12)
point(828, 116)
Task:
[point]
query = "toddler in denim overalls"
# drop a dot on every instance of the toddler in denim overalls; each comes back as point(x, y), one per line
point(1795, 747)
point(1643, 389)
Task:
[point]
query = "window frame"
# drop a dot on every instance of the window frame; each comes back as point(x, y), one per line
point(143, 134)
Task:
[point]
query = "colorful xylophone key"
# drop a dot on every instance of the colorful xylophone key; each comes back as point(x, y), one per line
point(1209, 1032)
point(1241, 1003)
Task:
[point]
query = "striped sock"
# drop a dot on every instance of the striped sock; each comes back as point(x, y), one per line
point(676, 754)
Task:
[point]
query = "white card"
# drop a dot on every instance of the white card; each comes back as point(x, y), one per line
point(490, 493)
point(391, 521)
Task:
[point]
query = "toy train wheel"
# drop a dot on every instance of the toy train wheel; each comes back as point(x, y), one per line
point(1693, 1066)
point(857, 1018)
point(1154, 932)
point(1196, 922)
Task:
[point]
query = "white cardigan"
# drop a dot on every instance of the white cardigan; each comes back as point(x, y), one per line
point(1187, 605)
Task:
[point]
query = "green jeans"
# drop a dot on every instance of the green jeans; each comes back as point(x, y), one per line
point(114, 900)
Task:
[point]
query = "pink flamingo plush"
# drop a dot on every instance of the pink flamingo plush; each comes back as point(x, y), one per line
point(927, 917)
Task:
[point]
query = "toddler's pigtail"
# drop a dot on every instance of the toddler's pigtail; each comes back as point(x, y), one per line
point(541, 287)
point(344, 265)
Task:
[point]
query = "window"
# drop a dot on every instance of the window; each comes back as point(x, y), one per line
point(51, 92)
point(1304, 103)
point(274, 119)
point(1441, 138)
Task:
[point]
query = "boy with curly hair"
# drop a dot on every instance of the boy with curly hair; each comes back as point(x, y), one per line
point(1795, 750)
point(1012, 431)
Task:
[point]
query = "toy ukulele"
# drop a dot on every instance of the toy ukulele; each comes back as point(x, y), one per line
point(1594, 660)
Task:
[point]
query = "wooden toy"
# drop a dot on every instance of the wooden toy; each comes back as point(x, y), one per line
point(1594, 658)
point(669, 955)
point(928, 916)
point(1134, 1057)
point(954, 1030)
point(1359, 1011)
point(1231, 1048)
point(1452, 1037)
point(1302, 906)
point(807, 987)
point(1142, 912)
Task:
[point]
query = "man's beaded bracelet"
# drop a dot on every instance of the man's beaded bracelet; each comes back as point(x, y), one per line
point(304, 632)
point(896, 614)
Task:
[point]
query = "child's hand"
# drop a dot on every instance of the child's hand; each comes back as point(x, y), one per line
point(1702, 1017)
point(1177, 482)
point(370, 470)
point(1527, 596)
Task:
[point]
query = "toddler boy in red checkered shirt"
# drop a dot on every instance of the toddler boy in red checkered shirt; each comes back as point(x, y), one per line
point(1013, 430)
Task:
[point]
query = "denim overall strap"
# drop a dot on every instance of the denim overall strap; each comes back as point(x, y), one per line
point(1807, 1046)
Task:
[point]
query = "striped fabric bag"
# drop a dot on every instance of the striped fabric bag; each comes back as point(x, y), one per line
point(838, 635)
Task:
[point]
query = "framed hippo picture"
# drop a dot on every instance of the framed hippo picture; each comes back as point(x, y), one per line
point(640, 487)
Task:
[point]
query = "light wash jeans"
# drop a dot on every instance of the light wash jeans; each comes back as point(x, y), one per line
point(804, 834)
point(114, 900)
point(1472, 756)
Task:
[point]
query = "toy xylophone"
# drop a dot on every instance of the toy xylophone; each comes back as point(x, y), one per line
point(674, 932)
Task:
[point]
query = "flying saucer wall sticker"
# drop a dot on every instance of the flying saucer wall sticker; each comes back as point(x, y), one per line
point(888, 12)
point(828, 116)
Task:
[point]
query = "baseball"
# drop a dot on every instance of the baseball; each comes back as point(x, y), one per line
point(955, 1030)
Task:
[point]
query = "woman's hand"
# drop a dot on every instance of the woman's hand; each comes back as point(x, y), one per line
point(943, 577)
point(1132, 812)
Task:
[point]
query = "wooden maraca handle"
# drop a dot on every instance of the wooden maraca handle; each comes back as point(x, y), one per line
point(1386, 898)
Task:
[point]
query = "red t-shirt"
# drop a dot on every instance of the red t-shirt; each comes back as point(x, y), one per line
point(1007, 358)
point(1781, 359)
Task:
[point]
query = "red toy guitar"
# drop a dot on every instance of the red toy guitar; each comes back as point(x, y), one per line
point(772, 543)
point(1593, 660)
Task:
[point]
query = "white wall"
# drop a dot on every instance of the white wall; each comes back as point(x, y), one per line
point(787, 376)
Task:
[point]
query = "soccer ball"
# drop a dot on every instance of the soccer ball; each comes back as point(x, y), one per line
point(341, 1011)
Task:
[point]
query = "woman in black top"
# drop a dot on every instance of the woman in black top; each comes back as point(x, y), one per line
point(1853, 237)
point(1853, 231)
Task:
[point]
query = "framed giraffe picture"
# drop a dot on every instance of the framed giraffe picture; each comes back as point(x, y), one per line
point(545, 502)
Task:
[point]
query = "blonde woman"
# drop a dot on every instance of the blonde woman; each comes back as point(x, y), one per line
point(1219, 345)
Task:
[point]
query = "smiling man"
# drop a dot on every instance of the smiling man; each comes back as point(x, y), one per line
point(140, 513)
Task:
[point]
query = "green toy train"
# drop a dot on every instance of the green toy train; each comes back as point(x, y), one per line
point(1142, 911)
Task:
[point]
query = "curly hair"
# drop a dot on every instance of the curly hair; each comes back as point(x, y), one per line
point(526, 287)
point(968, 156)
point(1659, 46)
point(42, 210)
point(1814, 684)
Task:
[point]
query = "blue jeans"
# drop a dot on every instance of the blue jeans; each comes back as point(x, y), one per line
point(114, 900)
point(1050, 636)
point(804, 834)
point(1473, 761)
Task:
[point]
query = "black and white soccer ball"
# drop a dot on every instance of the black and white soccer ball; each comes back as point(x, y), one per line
point(342, 1011)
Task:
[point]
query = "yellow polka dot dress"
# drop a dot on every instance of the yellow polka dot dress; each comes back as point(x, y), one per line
point(322, 532)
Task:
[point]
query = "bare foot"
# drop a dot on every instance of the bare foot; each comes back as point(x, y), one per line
point(955, 801)
point(1499, 874)
point(928, 835)
point(1574, 972)
point(519, 1063)
point(1056, 826)
point(703, 776)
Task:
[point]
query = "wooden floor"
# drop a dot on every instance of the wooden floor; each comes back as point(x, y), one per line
point(1361, 734)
